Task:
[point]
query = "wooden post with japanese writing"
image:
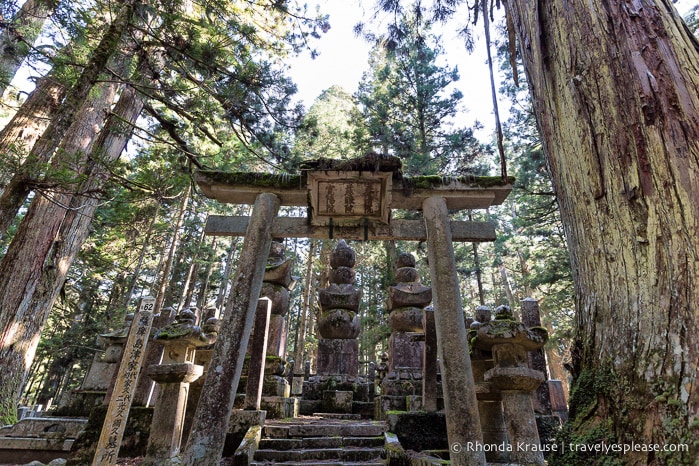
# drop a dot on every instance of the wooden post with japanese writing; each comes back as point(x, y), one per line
point(125, 387)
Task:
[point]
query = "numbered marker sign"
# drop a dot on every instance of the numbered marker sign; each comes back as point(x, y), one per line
point(129, 370)
point(147, 304)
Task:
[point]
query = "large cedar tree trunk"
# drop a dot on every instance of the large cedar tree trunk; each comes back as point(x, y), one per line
point(48, 239)
point(24, 179)
point(18, 136)
point(614, 85)
point(18, 35)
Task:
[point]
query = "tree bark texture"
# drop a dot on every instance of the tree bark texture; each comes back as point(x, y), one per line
point(22, 182)
point(31, 257)
point(49, 237)
point(28, 124)
point(18, 35)
point(614, 86)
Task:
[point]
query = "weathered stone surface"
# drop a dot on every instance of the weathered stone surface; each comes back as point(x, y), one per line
point(240, 423)
point(314, 387)
point(276, 341)
point(342, 275)
point(245, 452)
point(536, 360)
point(133, 444)
point(279, 273)
point(409, 294)
point(276, 250)
point(338, 357)
point(397, 387)
point(338, 324)
point(404, 351)
point(406, 319)
point(398, 229)
point(80, 403)
point(278, 295)
point(521, 427)
point(342, 255)
point(429, 363)
point(336, 401)
point(184, 372)
point(241, 420)
point(494, 432)
point(168, 417)
point(514, 378)
point(498, 332)
point(117, 413)
point(275, 385)
point(343, 296)
point(405, 260)
point(99, 375)
point(39, 426)
point(407, 275)
point(278, 407)
point(206, 441)
point(463, 422)
point(258, 352)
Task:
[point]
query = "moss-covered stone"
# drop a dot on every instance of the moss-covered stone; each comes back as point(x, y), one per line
point(434, 181)
point(262, 180)
point(133, 444)
point(370, 162)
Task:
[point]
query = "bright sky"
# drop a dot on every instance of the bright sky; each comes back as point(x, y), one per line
point(343, 58)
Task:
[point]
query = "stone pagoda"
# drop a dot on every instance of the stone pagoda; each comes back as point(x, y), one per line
point(405, 305)
point(336, 383)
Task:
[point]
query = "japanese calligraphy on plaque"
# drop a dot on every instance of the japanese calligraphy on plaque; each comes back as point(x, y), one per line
point(348, 197)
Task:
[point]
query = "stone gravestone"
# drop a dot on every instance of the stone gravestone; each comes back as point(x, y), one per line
point(125, 387)
point(337, 383)
point(406, 301)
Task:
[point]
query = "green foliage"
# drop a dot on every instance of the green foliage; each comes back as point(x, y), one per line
point(328, 129)
point(407, 105)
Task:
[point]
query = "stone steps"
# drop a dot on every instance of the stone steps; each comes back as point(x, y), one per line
point(321, 441)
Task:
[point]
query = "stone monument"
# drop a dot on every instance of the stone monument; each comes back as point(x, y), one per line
point(337, 383)
point(510, 341)
point(405, 304)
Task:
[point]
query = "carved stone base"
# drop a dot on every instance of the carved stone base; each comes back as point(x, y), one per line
point(337, 401)
point(279, 407)
point(274, 385)
point(338, 356)
point(314, 387)
point(404, 351)
point(402, 382)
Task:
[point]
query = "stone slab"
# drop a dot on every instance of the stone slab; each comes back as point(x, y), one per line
point(337, 401)
point(44, 427)
point(242, 419)
point(245, 453)
point(338, 356)
point(405, 230)
point(403, 351)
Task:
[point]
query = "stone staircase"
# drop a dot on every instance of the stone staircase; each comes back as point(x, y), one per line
point(322, 441)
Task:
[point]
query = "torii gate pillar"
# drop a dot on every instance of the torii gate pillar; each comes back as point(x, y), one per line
point(460, 404)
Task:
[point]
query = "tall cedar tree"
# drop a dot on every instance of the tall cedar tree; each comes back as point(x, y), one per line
point(614, 92)
point(407, 105)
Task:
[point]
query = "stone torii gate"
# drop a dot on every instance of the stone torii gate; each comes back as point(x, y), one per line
point(346, 200)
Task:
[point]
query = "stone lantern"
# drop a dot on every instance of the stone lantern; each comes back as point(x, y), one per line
point(177, 370)
point(509, 341)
